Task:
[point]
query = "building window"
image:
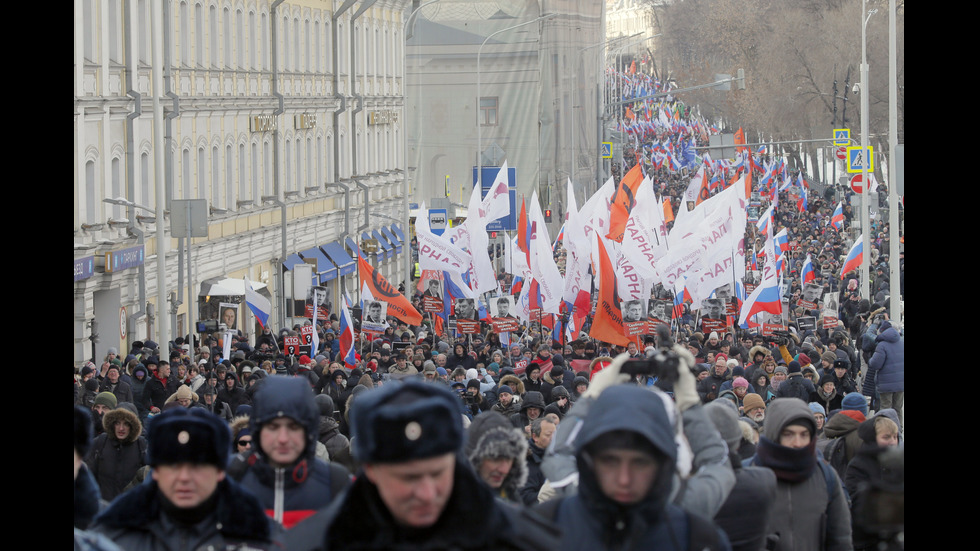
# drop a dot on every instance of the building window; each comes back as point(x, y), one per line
point(488, 110)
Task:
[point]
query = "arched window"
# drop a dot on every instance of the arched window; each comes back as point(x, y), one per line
point(199, 34)
point(185, 183)
point(213, 55)
point(240, 39)
point(253, 40)
point(91, 185)
point(147, 199)
point(115, 172)
point(243, 183)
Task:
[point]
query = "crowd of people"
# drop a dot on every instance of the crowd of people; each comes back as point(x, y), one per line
point(710, 439)
point(784, 440)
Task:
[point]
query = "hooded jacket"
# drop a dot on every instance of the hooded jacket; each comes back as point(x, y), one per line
point(843, 425)
point(114, 462)
point(591, 520)
point(491, 435)
point(804, 516)
point(533, 399)
point(888, 361)
point(288, 494)
point(235, 396)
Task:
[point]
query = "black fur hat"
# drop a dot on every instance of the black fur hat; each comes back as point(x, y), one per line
point(192, 435)
point(405, 421)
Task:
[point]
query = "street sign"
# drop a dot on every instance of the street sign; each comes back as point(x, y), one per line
point(438, 220)
point(369, 246)
point(192, 213)
point(857, 156)
point(842, 136)
point(606, 149)
point(841, 153)
point(856, 183)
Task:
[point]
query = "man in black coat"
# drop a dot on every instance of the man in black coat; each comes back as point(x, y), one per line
point(159, 387)
point(116, 454)
point(415, 490)
point(189, 503)
point(746, 513)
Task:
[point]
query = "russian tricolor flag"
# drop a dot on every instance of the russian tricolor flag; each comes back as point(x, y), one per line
point(854, 257)
point(764, 221)
point(781, 241)
point(801, 205)
point(807, 273)
point(347, 337)
point(681, 295)
point(837, 219)
point(258, 304)
point(765, 298)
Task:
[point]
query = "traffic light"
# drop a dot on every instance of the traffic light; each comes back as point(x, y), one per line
point(547, 215)
point(493, 235)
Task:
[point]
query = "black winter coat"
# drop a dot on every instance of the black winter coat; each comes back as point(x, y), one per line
point(471, 520)
point(114, 462)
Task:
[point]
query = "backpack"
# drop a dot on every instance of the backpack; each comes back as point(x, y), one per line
point(795, 389)
point(835, 454)
point(703, 535)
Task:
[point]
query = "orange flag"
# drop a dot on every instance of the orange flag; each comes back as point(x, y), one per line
point(705, 192)
point(522, 236)
point(668, 211)
point(608, 322)
point(398, 305)
point(740, 140)
point(633, 67)
point(748, 182)
point(630, 114)
point(622, 203)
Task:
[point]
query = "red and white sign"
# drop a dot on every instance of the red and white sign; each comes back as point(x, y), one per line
point(291, 344)
point(505, 325)
point(842, 153)
point(857, 184)
point(307, 333)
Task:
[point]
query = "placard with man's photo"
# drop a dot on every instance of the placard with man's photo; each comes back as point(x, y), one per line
point(432, 296)
point(501, 313)
point(374, 318)
point(634, 317)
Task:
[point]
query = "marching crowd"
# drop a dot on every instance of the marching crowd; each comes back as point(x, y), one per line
point(735, 439)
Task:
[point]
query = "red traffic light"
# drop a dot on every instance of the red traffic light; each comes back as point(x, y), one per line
point(493, 235)
point(547, 215)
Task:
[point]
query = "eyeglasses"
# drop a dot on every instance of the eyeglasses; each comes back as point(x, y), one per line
point(243, 442)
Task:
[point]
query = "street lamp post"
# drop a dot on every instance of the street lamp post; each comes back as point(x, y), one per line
point(865, 193)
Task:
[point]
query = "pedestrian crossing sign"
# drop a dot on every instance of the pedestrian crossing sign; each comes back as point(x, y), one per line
point(606, 150)
point(857, 156)
point(842, 136)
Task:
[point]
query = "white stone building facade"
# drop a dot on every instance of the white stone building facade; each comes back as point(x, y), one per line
point(227, 141)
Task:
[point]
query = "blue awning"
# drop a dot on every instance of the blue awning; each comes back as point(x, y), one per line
point(382, 251)
point(336, 253)
point(325, 270)
point(390, 236)
point(383, 242)
point(291, 261)
point(398, 232)
point(352, 247)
